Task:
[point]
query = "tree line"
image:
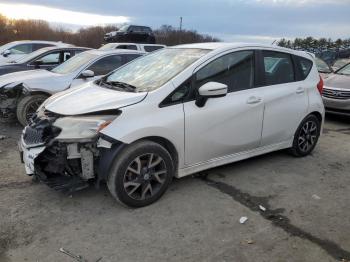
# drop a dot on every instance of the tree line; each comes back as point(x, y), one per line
point(12, 30)
point(315, 45)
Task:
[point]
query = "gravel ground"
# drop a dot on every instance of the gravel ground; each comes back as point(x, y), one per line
point(307, 215)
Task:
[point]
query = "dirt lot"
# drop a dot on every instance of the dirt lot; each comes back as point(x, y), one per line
point(307, 216)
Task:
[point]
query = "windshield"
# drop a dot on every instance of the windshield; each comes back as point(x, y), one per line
point(124, 28)
point(341, 62)
point(344, 71)
point(154, 70)
point(322, 66)
point(107, 47)
point(32, 55)
point(74, 63)
point(6, 46)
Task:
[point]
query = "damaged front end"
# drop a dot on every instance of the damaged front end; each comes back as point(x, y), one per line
point(9, 97)
point(63, 151)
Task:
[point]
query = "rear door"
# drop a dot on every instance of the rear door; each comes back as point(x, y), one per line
point(286, 100)
point(230, 124)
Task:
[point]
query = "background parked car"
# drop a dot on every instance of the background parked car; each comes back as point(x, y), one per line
point(132, 46)
point(339, 63)
point(44, 58)
point(336, 92)
point(323, 68)
point(131, 33)
point(21, 93)
point(15, 50)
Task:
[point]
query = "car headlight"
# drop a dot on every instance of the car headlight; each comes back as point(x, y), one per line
point(81, 128)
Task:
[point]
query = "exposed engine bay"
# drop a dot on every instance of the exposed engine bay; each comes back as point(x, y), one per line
point(70, 148)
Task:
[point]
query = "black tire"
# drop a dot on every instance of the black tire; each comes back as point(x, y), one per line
point(133, 167)
point(27, 106)
point(306, 136)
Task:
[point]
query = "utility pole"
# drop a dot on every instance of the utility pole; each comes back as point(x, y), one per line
point(180, 30)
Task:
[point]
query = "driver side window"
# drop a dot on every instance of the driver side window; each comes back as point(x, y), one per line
point(236, 70)
point(106, 64)
point(49, 59)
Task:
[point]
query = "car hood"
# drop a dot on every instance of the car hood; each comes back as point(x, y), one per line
point(338, 81)
point(38, 80)
point(90, 98)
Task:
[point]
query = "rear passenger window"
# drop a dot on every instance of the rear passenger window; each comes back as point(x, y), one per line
point(305, 66)
point(151, 48)
point(278, 67)
point(130, 47)
point(236, 70)
point(39, 46)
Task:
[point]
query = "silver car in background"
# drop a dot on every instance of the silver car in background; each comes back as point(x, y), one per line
point(336, 92)
point(21, 93)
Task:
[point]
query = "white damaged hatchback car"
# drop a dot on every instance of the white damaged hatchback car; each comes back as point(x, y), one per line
point(172, 113)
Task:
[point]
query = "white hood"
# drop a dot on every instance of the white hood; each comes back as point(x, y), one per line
point(38, 80)
point(89, 98)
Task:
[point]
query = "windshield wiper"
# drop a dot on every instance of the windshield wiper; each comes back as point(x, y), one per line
point(117, 85)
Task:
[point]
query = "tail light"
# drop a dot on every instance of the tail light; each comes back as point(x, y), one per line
point(320, 85)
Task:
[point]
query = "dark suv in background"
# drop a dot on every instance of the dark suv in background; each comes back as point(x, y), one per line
point(131, 33)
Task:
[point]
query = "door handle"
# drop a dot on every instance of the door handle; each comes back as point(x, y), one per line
point(300, 90)
point(254, 100)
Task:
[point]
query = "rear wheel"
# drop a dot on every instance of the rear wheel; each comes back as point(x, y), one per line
point(141, 174)
point(306, 136)
point(27, 106)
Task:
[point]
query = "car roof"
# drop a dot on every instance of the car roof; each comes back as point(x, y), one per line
point(113, 51)
point(38, 42)
point(224, 46)
point(117, 43)
point(50, 48)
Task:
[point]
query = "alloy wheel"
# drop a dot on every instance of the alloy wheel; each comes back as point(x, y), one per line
point(307, 136)
point(145, 176)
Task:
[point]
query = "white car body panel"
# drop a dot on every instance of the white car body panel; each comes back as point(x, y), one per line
point(140, 47)
point(225, 130)
point(89, 96)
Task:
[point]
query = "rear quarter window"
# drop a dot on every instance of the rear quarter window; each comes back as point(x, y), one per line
point(304, 65)
point(151, 48)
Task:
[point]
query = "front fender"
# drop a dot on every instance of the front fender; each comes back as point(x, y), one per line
point(106, 158)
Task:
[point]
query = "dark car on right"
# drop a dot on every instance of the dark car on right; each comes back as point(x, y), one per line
point(132, 33)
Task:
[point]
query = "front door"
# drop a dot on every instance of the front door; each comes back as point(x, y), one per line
point(226, 125)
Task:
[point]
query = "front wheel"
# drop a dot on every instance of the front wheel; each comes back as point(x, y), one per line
point(306, 136)
point(141, 174)
point(27, 106)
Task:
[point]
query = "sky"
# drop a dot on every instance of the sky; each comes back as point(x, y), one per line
point(230, 20)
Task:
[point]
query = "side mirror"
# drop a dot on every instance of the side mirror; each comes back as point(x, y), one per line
point(87, 74)
point(210, 90)
point(6, 53)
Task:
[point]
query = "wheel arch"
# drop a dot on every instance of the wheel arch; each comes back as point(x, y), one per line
point(318, 115)
point(167, 144)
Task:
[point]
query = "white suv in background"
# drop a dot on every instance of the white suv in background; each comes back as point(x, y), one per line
point(175, 112)
point(15, 50)
point(132, 46)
